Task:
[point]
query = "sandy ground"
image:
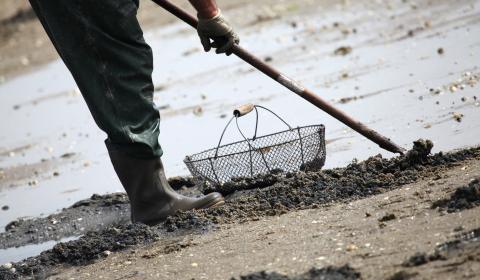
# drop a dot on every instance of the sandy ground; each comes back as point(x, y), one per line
point(24, 46)
point(427, 229)
point(422, 55)
point(336, 235)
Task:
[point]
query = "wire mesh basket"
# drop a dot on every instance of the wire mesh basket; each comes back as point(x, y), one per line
point(300, 148)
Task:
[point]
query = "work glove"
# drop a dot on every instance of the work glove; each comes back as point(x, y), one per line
point(217, 33)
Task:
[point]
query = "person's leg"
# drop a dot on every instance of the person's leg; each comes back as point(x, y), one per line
point(102, 45)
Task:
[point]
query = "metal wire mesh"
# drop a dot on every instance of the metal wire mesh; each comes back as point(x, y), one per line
point(301, 148)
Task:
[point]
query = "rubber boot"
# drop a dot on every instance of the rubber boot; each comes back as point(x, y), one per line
point(151, 197)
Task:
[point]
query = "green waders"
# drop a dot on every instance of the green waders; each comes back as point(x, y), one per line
point(102, 45)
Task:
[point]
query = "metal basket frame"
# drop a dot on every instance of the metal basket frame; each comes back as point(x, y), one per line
point(196, 163)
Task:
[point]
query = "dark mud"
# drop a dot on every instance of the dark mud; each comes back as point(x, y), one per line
point(387, 217)
point(179, 183)
point(465, 197)
point(331, 273)
point(402, 275)
point(420, 258)
point(86, 249)
point(21, 16)
point(465, 246)
point(11, 24)
point(92, 246)
point(93, 214)
point(250, 199)
point(370, 173)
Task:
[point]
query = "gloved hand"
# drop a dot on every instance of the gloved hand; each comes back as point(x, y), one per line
point(218, 30)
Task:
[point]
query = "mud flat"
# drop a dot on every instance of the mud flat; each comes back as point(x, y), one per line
point(248, 200)
point(463, 248)
point(93, 214)
point(375, 235)
point(465, 197)
point(382, 65)
point(330, 272)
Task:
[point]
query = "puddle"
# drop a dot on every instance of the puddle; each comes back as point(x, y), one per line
point(20, 253)
point(392, 74)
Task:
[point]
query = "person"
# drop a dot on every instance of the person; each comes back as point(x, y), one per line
point(102, 45)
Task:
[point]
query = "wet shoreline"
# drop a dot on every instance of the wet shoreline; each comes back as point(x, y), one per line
point(407, 69)
point(289, 192)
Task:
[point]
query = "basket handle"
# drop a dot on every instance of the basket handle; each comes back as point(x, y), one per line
point(242, 111)
point(256, 121)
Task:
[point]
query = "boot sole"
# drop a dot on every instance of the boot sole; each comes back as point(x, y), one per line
point(213, 204)
point(217, 202)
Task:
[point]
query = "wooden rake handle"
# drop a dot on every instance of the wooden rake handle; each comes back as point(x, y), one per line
point(292, 85)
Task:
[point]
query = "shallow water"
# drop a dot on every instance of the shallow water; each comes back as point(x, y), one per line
point(390, 73)
point(20, 253)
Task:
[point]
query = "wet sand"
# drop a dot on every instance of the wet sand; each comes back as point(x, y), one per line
point(392, 199)
point(407, 69)
point(435, 94)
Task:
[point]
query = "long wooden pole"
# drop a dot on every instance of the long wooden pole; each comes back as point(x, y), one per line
point(292, 85)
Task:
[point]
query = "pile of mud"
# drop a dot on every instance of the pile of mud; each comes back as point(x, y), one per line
point(464, 198)
point(331, 272)
point(86, 249)
point(278, 194)
point(11, 24)
point(465, 246)
point(93, 214)
point(422, 258)
point(368, 172)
